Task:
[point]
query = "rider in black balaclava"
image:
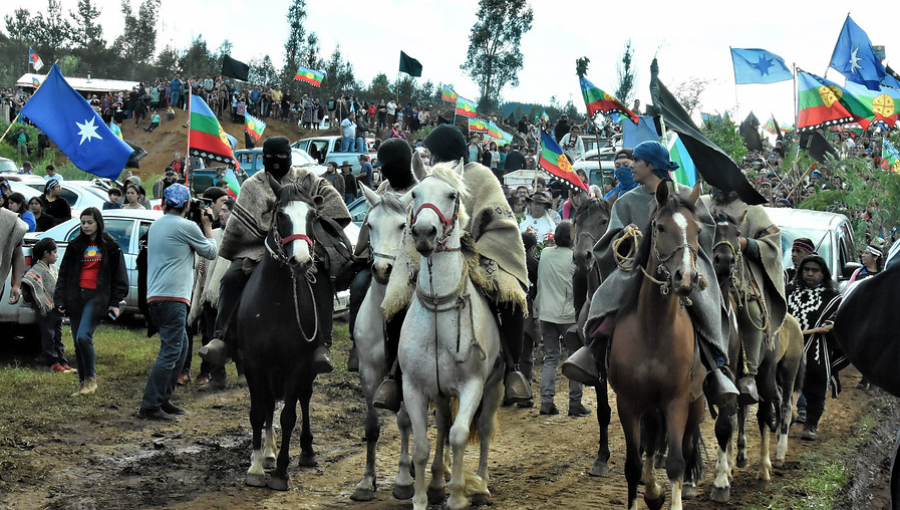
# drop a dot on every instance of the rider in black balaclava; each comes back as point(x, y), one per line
point(395, 157)
point(277, 156)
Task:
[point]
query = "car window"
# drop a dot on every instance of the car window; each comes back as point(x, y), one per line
point(73, 233)
point(8, 166)
point(302, 145)
point(821, 238)
point(121, 230)
point(69, 196)
point(358, 212)
point(300, 159)
point(337, 146)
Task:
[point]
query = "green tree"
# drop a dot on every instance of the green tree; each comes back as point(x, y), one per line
point(493, 59)
point(688, 93)
point(52, 33)
point(224, 49)
point(138, 44)
point(198, 60)
point(262, 71)
point(726, 136)
point(86, 30)
point(581, 66)
point(627, 79)
point(339, 76)
point(167, 62)
point(20, 26)
point(294, 46)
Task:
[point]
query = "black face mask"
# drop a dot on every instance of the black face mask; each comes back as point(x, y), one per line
point(277, 156)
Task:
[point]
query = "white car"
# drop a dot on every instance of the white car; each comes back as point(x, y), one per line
point(79, 194)
point(8, 166)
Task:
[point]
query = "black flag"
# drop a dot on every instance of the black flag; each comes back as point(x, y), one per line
point(134, 161)
point(817, 146)
point(749, 130)
point(714, 165)
point(235, 69)
point(410, 65)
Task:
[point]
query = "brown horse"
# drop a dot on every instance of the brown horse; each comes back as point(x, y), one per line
point(654, 363)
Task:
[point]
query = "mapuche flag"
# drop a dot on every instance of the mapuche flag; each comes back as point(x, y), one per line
point(598, 101)
point(206, 137)
point(465, 107)
point(79, 132)
point(823, 103)
point(881, 105)
point(254, 127)
point(448, 94)
point(553, 160)
point(477, 126)
point(314, 78)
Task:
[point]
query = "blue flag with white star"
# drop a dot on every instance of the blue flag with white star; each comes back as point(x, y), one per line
point(78, 131)
point(855, 58)
point(753, 65)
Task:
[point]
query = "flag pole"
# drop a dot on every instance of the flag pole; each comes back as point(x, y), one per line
point(10, 126)
point(796, 111)
point(187, 152)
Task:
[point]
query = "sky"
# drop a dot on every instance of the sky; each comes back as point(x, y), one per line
point(690, 38)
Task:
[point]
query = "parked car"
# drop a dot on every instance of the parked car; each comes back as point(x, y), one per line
point(79, 194)
point(597, 164)
point(327, 149)
point(831, 234)
point(252, 161)
point(8, 166)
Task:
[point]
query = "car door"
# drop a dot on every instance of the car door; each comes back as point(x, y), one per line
point(122, 230)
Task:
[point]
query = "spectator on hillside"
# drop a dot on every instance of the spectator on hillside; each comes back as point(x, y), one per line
point(177, 164)
point(572, 144)
point(391, 109)
point(514, 161)
point(115, 195)
point(562, 127)
point(382, 115)
point(154, 122)
point(43, 143)
point(22, 142)
point(474, 149)
point(167, 180)
point(362, 129)
point(351, 188)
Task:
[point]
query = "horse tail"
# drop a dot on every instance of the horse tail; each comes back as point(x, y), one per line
point(474, 436)
point(694, 467)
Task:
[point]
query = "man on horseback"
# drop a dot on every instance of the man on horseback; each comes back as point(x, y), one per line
point(651, 166)
point(243, 240)
point(501, 263)
point(759, 282)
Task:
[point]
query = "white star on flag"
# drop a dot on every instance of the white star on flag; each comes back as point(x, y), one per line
point(853, 61)
point(88, 131)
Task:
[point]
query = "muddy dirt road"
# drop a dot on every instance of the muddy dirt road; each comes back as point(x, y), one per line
point(537, 462)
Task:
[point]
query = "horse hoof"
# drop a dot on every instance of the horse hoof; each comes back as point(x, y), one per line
point(363, 495)
point(307, 460)
point(255, 480)
point(436, 496)
point(655, 504)
point(778, 463)
point(720, 495)
point(269, 463)
point(481, 500)
point(688, 492)
point(404, 492)
point(278, 483)
point(600, 468)
point(741, 462)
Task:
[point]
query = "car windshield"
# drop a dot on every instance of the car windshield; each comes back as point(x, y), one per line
point(820, 238)
point(8, 166)
point(299, 158)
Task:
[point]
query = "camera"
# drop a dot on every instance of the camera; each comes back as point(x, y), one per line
point(196, 210)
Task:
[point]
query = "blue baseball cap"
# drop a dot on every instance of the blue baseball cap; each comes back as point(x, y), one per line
point(177, 195)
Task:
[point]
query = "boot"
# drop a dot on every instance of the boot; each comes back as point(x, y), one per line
point(215, 352)
point(582, 367)
point(321, 363)
point(810, 432)
point(749, 395)
point(517, 387)
point(79, 390)
point(353, 360)
point(90, 386)
point(718, 387)
point(389, 395)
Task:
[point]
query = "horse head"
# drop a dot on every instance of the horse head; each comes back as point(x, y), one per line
point(674, 239)
point(437, 208)
point(387, 222)
point(291, 240)
point(727, 247)
point(590, 224)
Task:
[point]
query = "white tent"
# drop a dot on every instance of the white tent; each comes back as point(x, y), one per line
point(82, 84)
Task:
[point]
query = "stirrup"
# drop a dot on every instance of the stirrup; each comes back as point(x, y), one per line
point(322, 361)
point(718, 388)
point(749, 394)
point(517, 388)
point(388, 395)
point(214, 353)
point(581, 367)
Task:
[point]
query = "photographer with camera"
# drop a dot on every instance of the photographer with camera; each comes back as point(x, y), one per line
point(171, 243)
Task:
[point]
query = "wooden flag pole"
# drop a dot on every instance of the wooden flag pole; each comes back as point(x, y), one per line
point(187, 152)
point(796, 92)
point(11, 125)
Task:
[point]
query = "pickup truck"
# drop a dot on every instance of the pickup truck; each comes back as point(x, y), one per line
point(251, 162)
point(327, 149)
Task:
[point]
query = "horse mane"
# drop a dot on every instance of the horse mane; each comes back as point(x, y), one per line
point(392, 202)
point(672, 205)
point(590, 207)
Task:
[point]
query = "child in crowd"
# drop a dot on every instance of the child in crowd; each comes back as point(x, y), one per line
point(115, 194)
point(39, 283)
point(154, 121)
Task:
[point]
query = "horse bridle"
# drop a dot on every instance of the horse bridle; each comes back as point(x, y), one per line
point(666, 284)
point(372, 252)
point(447, 224)
point(278, 252)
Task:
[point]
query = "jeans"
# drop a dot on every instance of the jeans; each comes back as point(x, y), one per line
point(170, 317)
point(51, 337)
point(361, 145)
point(553, 334)
point(349, 197)
point(346, 144)
point(83, 325)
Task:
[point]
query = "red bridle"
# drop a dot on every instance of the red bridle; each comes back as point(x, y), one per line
point(297, 237)
point(447, 222)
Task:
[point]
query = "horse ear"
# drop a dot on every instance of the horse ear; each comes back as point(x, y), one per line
point(662, 192)
point(418, 166)
point(371, 197)
point(273, 182)
point(406, 199)
point(743, 215)
point(695, 193)
point(460, 167)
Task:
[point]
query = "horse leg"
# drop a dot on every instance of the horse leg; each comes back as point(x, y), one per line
point(676, 421)
point(721, 491)
point(469, 399)
point(742, 438)
point(403, 486)
point(631, 427)
point(693, 468)
point(787, 372)
point(269, 453)
point(763, 415)
point(365, 489)
point(442, 417)
point(278, 480)
point(490, 404)
point(417, 407)
point(256, 475)
point(604, 414)
point(307, 454)
point(653, 493)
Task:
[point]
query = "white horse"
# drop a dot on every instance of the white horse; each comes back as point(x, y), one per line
point(387, 222)
point(449, 344)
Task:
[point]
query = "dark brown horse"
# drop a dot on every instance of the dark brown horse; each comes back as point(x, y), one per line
point(590, 224)
point(654, 363)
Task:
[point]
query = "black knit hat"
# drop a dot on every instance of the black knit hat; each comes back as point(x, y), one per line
point(395, 156)
point(447, 144)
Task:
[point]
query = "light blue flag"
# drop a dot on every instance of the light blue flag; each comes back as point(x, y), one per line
point(78, 131)
point(633, 134)
point(753, 65)
point(855, 58)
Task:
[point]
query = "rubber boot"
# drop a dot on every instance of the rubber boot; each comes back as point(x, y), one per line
point(322, 360)
point(749, 394)
point(389, 394)
point(719, 387)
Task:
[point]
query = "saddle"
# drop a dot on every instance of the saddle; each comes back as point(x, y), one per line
point(333, 248)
